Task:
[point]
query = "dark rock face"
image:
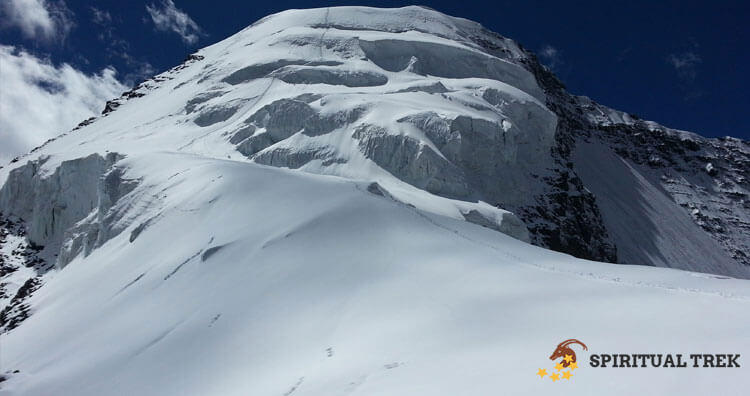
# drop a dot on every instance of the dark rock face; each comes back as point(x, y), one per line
point(566, 218)
point(564, 215)
point(708, 178)
point(17, 310)
point(20, 259)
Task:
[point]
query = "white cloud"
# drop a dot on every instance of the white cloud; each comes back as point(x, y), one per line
point(103, 19)
point(38, 19)
point(167, 17)
point(685, 64)
point(550, 56)
point(100, 17)
point(39, 100)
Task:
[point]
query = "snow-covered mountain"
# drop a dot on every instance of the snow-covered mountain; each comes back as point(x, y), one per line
point(339, 200)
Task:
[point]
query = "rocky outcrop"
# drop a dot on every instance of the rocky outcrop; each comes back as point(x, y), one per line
point(671, 176)
point(22, 272)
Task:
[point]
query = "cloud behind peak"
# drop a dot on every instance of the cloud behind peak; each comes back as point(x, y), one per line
point(168, 18)
point(42, 20)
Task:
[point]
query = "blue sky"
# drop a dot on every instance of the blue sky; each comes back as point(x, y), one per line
point(680, 63)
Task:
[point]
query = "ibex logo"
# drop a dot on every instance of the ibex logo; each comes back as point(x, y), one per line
point(569, 361)
point(564, 351)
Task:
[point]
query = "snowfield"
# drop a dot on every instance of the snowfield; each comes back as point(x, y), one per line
point(259, 281)
point(310, 207)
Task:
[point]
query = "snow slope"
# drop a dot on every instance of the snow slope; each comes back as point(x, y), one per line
point(280, 282)
point(310, 207)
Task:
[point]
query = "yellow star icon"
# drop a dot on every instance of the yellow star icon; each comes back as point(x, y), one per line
point(567, 375)
point(554, 377)
point(541, 373)
point(568, 358)
point(573, 366)
point(558, 366)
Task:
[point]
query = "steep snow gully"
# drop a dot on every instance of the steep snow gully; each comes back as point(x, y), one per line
point(367, 201)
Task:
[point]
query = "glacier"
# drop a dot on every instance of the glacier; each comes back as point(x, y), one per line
point(347, 200)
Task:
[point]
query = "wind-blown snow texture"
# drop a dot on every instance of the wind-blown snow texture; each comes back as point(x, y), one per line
point(372, 264)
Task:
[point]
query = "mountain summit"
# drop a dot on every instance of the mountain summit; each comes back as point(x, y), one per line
point(417, 102)
point(341, 201)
